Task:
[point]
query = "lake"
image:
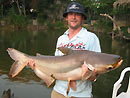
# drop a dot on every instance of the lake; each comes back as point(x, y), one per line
point(28, 85)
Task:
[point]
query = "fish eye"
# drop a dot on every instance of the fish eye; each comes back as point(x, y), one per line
point(110, 67)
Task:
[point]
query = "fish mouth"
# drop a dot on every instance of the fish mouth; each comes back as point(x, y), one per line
point(118, 63)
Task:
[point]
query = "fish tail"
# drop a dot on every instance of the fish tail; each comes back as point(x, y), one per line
point(20, 61)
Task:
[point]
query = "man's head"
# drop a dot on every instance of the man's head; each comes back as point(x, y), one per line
point(75, 8)
point(74, 15)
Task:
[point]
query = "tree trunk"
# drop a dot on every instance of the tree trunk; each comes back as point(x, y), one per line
point(20, 12)
point(24, 9)
point(115, 25)
point(34, 4)
point(2, 13)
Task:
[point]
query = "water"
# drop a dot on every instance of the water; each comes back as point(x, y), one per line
point(28, 85)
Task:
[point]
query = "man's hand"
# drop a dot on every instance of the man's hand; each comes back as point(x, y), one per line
point(86, 72)
point(93, 76)
point(31, 63)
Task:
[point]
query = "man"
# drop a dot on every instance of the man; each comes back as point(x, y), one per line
point(76, 37)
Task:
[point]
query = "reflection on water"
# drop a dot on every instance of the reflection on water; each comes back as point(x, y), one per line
point(32, 89)
point(28, 85)
point(7, 94)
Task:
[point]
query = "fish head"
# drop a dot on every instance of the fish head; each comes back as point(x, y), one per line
point(109, 67)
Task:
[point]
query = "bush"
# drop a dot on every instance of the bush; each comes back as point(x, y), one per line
point(105, 25)
point(16, 19)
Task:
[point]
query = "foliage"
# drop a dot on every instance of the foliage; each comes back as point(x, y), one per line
point(104, 24)
point(60, 25)
point(41, 18)
point(122, 10)
point(19, 20)
point(16, 19)
point(95, 7)
point(125, 30)
point(50, 11)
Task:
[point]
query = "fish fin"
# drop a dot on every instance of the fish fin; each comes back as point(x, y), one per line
point(68, 87)
point(16, 67)
point(65, 50)
point(15, 54)
point(20, 61)
point(87, 76)
point(71, 84)
point(85, 73)
point(90, 67)
point(40, 55)
point(49, 80)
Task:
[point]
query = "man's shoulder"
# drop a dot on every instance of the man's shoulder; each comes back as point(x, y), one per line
point(63, 35)
point(88, 33)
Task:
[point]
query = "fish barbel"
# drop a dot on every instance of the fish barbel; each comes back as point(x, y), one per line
point(70, 66)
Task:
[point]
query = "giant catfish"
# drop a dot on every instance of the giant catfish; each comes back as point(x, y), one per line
point(71, 66)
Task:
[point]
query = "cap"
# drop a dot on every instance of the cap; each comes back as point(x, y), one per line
point(76, 8)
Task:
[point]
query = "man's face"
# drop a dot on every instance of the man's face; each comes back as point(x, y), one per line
point(74, 20)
